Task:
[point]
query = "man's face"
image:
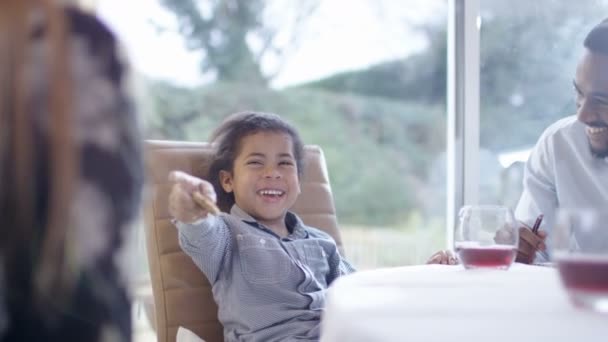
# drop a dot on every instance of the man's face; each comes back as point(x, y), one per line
point(591, 84)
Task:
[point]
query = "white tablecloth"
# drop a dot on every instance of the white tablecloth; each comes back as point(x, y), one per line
point(448, 303)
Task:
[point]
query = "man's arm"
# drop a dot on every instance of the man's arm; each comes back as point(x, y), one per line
point(538, 197)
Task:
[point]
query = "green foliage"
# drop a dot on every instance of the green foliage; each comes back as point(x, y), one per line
point(380, 127)
point(419, 78)
point(528, 62)
point(528, 59)
point(377, 149)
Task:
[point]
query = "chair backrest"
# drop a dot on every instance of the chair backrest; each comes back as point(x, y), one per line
point(182, 294)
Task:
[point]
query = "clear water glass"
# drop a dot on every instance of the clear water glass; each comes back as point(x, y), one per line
point(579, 244)
point(486, 237)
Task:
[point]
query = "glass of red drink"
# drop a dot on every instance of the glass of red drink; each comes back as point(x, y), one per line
point(580, 249)
point(486, 237)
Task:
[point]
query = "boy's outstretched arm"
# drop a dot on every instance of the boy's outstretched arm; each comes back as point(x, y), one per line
point(204, 237)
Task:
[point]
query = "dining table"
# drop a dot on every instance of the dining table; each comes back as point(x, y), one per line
point(450, 303)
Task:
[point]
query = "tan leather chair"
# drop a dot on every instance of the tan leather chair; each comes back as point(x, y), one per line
point(182, 294)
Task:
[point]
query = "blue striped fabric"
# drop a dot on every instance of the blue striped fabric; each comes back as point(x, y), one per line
point(267, 288)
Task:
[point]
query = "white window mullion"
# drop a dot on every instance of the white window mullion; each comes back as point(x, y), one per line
point(463, 109)
point(472, 23)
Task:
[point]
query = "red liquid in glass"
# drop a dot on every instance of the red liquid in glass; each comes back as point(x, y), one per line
point(584, 273)
point(486, 256)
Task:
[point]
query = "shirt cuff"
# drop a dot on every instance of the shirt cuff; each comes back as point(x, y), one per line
point(180, 224)
point(199, 227)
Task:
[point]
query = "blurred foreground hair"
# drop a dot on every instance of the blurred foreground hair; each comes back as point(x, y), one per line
point(27, 242)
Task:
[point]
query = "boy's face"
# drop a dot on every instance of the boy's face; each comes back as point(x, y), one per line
point(265, 177)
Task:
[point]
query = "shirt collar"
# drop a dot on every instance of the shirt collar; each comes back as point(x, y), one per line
point(241, 214)
point(294, 224)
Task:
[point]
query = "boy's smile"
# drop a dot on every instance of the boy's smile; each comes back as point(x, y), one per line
point(271, 195)
point(264, 178)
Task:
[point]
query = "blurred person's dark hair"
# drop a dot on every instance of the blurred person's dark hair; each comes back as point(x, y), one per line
point(70, 174)
point(597, 39)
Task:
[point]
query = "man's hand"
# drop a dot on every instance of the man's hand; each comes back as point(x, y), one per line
point(443, 257)
point(182, 205)
point(529, 244)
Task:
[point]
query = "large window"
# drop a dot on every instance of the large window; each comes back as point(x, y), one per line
point(420, 106)
point(368, 87)
point(367, 84)
point(528, 55)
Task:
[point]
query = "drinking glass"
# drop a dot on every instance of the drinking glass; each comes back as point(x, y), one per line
point(579, 244)
point(486, 237)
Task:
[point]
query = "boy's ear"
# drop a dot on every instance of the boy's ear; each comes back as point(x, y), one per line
point(226, 180)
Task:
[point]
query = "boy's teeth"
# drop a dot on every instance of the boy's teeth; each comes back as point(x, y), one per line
point(271, 192)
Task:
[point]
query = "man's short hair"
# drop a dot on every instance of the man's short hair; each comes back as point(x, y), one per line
point(597, 38)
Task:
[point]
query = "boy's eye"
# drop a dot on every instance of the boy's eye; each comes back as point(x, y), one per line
point(254, 162)
point(286, 162)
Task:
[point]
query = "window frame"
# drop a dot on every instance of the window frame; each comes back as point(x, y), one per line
point(463, 65)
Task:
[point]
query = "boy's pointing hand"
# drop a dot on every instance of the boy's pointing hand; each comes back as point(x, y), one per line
point(191, 198)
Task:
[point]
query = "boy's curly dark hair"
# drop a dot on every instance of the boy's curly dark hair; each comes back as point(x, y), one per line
point(226, 140)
